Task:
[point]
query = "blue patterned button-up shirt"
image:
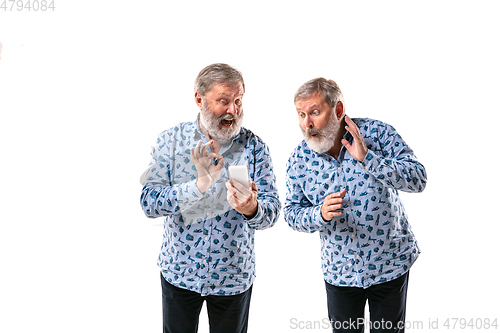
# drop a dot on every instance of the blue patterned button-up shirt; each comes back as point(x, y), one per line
point(371, 242)
point(208, 247)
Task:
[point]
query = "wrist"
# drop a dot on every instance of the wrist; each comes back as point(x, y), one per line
point(252, 211)
point(251, 214)
point(203, 185)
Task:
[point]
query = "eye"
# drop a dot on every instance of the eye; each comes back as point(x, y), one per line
point(237, 102)
point(223, 102)
point(315, 112)
point(302, 115)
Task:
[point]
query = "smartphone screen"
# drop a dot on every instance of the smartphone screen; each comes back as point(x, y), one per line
point(239, 173)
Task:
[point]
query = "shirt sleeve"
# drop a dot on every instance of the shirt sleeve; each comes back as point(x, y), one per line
point(300, 213)
point(160, 197)
point(393, 162)
point(269, 205)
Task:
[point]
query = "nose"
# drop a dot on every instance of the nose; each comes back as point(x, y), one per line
point(232, 109)
point(308, 122)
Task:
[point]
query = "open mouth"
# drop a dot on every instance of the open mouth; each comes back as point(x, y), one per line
point(313, 133)
point(226, 122)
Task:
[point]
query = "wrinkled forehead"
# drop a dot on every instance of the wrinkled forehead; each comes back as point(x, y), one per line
point(226, 90)
point(314, 101)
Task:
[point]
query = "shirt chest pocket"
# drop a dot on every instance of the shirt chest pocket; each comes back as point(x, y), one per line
point(360, 183)
point(317, 184)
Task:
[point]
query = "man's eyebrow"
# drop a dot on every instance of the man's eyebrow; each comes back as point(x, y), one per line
point(224, 95)
point(311, 107)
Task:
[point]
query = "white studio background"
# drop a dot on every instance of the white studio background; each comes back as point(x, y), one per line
point(86, 88)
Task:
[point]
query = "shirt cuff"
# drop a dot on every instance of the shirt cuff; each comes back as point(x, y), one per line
point(319, 221)
point(371, 161)
point(254, 221)
point(190, 193)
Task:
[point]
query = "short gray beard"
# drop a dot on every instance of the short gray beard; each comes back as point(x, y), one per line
point(211, 124)
point(325, 138)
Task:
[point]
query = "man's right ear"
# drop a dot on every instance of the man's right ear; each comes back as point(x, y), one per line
point(339, 109)
point(198, 99)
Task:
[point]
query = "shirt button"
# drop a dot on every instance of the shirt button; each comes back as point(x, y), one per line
point(204, 261)
point(206, 238)
point(352, 235)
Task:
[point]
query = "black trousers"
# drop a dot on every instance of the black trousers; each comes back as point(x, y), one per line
point(386, 301)
point(181, 310)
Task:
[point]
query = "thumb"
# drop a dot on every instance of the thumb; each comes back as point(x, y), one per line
point(254, 186)
point(346, 144)
point(350, 148)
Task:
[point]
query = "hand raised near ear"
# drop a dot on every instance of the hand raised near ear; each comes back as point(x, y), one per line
point(358, 148)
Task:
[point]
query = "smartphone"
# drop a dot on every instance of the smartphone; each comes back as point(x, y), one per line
point(239, 173)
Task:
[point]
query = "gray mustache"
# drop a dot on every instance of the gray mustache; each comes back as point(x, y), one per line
point(228, 116)
point(312, 131)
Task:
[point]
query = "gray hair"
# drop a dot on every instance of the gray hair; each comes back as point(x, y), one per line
point(217, 73)
point(327, 88)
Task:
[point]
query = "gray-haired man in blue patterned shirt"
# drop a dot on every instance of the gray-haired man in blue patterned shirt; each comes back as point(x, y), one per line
point(343, 182)
point(207, 252)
